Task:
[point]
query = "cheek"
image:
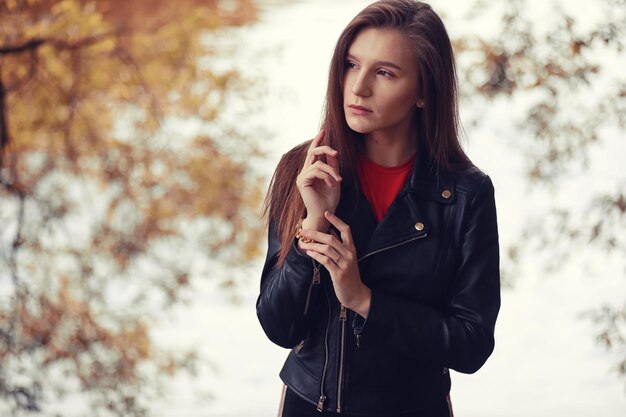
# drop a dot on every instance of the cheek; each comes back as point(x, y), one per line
point(401, 102)
point(347, 84)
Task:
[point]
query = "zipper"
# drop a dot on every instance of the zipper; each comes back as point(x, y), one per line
point(391, 246)
point(343, 318)
point(315, 281)
point(322, 399)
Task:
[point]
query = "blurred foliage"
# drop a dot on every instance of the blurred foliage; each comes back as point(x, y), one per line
point(101, 197)
point(564, 69)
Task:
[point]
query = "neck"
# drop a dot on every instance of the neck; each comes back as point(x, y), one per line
point(390, 149)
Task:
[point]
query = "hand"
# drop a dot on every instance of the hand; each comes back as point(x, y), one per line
point(319, 183)
point(339, 258)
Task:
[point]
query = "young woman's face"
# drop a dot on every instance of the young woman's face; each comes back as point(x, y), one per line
point(380, 83)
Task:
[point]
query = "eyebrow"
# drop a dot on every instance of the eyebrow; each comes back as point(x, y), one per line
point(383, 63)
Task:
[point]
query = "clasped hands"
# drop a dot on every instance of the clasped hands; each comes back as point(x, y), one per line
point(338, 255)
point(319, 185)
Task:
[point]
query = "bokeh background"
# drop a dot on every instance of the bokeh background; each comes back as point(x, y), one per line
point(137, 141)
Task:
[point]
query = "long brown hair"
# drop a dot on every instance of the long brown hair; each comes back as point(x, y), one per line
point(437, 122)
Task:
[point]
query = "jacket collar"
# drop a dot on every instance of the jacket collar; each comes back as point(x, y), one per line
point(429, 182)
point(404, 221)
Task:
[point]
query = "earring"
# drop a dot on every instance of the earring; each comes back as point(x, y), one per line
point(420, 104)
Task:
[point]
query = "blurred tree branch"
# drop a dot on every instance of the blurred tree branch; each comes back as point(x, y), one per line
point(565, 100)
point(103, 206)
point(28, 46)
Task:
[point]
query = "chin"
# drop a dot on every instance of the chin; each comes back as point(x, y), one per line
point(358, 127)
point(361, 131)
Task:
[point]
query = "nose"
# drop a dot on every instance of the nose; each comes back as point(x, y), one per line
point(361, 86)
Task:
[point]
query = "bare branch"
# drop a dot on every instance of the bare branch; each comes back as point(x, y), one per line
point(33, 44)
point(28, 46)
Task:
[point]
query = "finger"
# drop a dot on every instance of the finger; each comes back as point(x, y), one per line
point(344, 229)
point(309, 176)
point(322, 149)
point(325, 238)
point(320, 167)
point(317, 139)
point(314, 154)
point(347, 253)
point(328, 169)
point(328, 263)
point(333, 161)
point(325, 250)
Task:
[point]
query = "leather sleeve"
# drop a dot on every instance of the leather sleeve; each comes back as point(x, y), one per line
point(287, 292)
point(459, 336)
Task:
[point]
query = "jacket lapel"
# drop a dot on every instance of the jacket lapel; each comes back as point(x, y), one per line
point(404, 221)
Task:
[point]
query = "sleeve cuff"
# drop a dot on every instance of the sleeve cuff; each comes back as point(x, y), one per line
point(358, 322)
point(294, 246)
point(295, 256)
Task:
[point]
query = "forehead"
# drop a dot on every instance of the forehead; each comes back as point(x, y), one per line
point(382, 44)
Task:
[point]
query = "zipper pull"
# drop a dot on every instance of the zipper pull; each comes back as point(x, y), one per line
point(358, 339)
point(343, 315)
point(316, 275)
point(299, 347)
point(320, 403)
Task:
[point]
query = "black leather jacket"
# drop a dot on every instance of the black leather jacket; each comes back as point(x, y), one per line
point(432, 265)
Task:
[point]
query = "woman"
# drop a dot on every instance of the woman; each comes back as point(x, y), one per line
point(382, 269)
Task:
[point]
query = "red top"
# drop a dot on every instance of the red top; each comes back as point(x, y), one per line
point(380, 185)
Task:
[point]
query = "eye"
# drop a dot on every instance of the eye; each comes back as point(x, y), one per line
point(384, 73)
point(351, 65)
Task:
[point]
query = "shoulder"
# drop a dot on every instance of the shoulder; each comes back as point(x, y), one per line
point(471, 183)
point(455, 184)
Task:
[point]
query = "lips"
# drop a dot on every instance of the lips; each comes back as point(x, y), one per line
point(359, 110)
